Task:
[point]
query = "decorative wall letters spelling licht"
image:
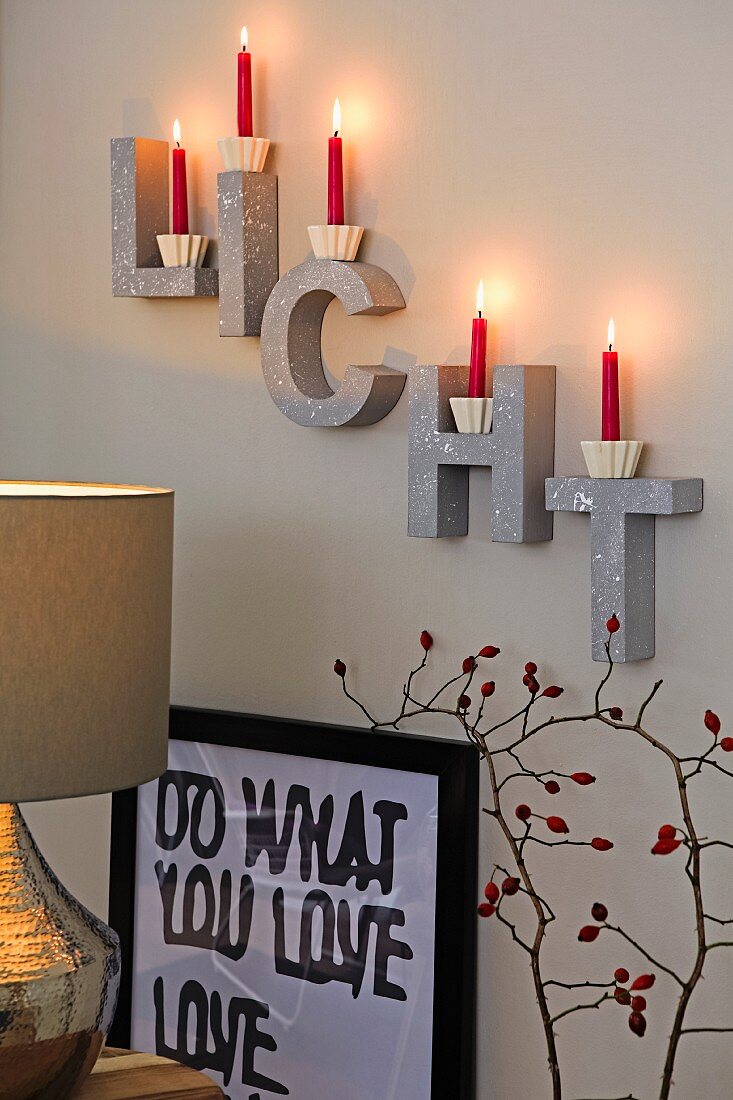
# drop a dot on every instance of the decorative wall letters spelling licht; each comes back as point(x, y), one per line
point(622, 515)
point(291, 345)
point(520, 450)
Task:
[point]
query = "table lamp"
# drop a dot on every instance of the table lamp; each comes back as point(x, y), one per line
point(85, 618)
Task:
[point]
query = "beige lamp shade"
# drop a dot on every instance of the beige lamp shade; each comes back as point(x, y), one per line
point(85, 624)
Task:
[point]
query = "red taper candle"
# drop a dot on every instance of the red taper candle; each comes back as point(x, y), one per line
point(477, 371)
point(244, 89)
point(335, 172)
point(180, 192)
point(610, 417)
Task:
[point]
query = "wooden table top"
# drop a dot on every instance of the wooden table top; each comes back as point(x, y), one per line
point(127, 1075)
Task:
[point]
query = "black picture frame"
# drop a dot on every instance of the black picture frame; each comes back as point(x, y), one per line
point(456, 766)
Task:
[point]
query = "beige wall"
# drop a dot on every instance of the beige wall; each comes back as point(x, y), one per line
point(579, 157)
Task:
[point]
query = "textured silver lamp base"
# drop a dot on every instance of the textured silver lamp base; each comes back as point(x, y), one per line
point(59, 974)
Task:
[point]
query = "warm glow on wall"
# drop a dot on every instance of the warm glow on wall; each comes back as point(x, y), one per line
point(499, 293)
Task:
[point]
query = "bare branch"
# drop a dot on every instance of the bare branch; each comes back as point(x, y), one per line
point(581, 1008)
point(647, 701)
point(644, 952)
point(579, 985)
point(699, 1030)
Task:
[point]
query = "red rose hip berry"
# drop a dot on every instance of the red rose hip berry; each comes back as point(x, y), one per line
point(644, 981)
point(637, 1023)
point(491, 892)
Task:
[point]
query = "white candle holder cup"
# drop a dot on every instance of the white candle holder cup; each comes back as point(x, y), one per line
point(335, 242)
point(473, 415)
point(182, 249)
point(243, 154)
point(612, 458)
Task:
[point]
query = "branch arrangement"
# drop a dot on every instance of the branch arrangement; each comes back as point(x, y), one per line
point(502, 746)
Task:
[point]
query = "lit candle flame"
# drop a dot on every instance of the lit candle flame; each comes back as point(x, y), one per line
point(480, 298)
point(611, 334)
point(336, 116)
point(244, 39)
point(177, 132)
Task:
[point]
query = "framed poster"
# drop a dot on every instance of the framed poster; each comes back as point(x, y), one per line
point(296, 905)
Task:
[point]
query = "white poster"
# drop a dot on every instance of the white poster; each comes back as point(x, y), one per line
point(284, 924)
